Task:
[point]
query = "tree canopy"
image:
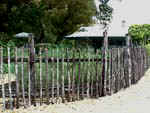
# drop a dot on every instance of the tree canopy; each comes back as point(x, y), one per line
point(105, 13)
point(49, 20)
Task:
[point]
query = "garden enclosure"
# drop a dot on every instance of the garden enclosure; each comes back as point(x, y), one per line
point(63, 74)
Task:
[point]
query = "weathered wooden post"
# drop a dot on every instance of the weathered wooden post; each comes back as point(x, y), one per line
point(32, 69)
point(32, 91)
point(104, 70)
point(128, 43)
point(2, 78)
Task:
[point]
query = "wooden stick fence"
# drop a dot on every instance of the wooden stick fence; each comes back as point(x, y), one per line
point(62, 75)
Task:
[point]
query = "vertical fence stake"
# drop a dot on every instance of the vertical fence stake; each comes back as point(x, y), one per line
point(29, 81)
point(63, 77)
point(104, 73)
point(122, 68)
point(9, 80)
point(110, 71)
point(47, 76)
point(41, 84)
point(32, 71)
point(68, 75)
point(22, 77)
point(82, 78)
point(53, 73)
point(57, 72)
point(119, 68)
point(88, 76)
point(97, 88)
point(17, 78)
point(129, 59)
point(1, 70)
point(100, 72)
point(79, 77)
point(92, 77)
point(73, 75)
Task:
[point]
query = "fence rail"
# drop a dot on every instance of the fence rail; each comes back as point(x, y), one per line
point(67, 75)
point(37, 60)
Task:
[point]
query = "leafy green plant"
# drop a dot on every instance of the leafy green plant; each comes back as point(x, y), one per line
point(140, 33)
point(148, 48)
point(5, 42)
point(105, 13)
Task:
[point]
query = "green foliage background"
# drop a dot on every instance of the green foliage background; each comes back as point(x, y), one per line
point(49, 20)
point(140, 33)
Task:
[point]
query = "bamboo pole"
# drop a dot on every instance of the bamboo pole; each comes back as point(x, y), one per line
point(119, 68)
point(35, 79)
point(129, 59)
point(41, 83)
point(68, 75)
point(3, 86)
point(9, 80)
point(92, 78)
point(100, 71)
point(126, 74)
point(82, 78)
point(32, 70)
point(53, 73)
point(17, 77)
point(137, 61)
point(63, 77)
point(73, 75)
point(144, 60)
point(146, 67)
point(122, 68)
point(22, 77)
point(134, 65)
point(79, 77)
point(88, 76)
point(116, 70)
point(141, 58)
point(113, 71)
point(97, 77)
point(57, 72)
point(29, 81)
point(47, 78)
point(110, 71)
point(104, 63)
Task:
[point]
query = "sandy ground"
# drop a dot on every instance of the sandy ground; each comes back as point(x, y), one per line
point(135, 99)
point(4, 79)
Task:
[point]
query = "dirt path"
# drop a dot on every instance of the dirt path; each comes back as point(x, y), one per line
point(135, 99)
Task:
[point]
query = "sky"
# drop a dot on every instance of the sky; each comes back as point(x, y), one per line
point(133, 11)
point(128, 11)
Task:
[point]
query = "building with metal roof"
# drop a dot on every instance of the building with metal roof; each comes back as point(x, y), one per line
point(126, 13)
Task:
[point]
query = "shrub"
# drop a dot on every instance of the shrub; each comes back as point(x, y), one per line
point(148, 48)
point(140, 33)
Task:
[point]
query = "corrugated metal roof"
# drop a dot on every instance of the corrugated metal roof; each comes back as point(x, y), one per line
point(23, 35)
point(97, 31)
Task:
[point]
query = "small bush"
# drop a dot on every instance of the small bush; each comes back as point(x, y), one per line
point(148, 48)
